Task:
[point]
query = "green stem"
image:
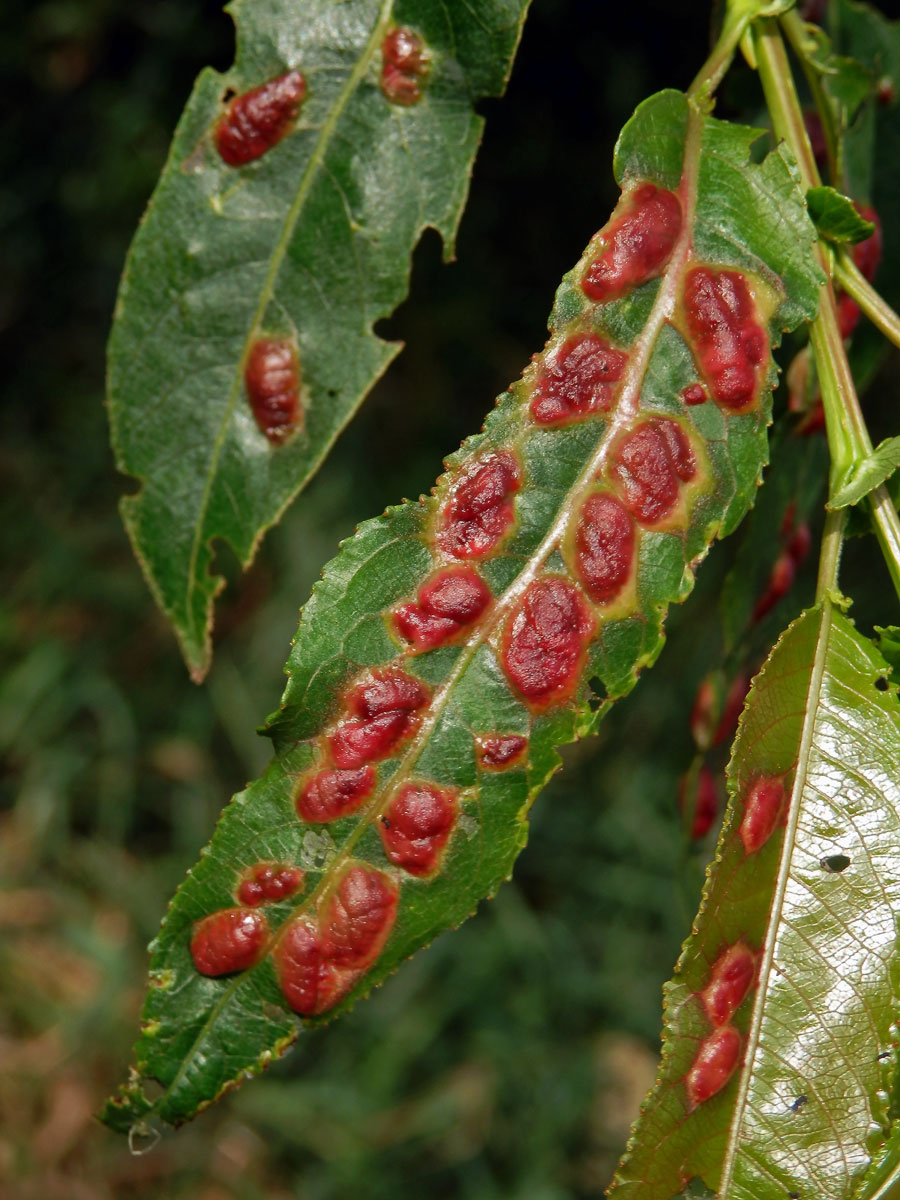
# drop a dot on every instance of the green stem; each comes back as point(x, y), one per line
point(830, 553)
point(794, 30)
point(848, 437)
point(711, 73)
point(855, 284)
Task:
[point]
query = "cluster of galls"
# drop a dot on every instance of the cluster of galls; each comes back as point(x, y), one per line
point(543, 629)
point(250, 125)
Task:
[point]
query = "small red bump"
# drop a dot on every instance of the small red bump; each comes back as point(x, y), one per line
point(762, 812)
point(885, 92)
point(636, 245)
point(251, 893)
point(716, 1062)
point(732, 976)
point(272, 379)
point(449, 601)
point(604, 547)
point(416, 826)
point(576, 380)
point(229, 940)
point(479, 510)
point(305, 979)
point(546, 638)
point(332, 794)
point(386, 704)
point(649, 465)
point(729, 341)
point(253, 122)
point(694, 394)
point(499, 750)
point(358, 918)
point(704, 804)
point(269, 881)
point(404, 65)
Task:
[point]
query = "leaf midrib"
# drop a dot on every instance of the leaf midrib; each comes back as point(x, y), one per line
point(813, 700)
point(293, 216)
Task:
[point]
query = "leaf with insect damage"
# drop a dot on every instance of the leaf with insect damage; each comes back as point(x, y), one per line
point(778, 1040)
point(447, 650)
point(297, 186)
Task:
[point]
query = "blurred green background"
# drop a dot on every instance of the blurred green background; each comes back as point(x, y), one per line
point(506, 1060)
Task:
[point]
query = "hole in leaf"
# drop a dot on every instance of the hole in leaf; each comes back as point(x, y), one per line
point(885, 1054)
point(600, 694)
point(793, 1196)
point(881, 683)
point(228, 94)
point(799, 1103)
point(835, 863)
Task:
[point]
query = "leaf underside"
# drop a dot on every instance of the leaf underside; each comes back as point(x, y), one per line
point(814, 904)
point(746, 220)
point(310, 243)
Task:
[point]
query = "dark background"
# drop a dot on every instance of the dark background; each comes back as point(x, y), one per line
point(505, 1061)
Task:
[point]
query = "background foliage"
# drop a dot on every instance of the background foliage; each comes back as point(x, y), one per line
point(500, 1062)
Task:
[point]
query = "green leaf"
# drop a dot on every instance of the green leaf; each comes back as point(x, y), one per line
point(309, 244)
point(868, 474)
point(519, 535)
point(836, 217)
point(809, 899)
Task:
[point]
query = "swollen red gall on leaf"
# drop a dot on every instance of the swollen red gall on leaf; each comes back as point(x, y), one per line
point(448, 602)
point(384, 705)
point(636, 245)
point(272, 379)
point(269, 881)
point(231, 939)
point(332, 794)
point(726, 334)
point(358, 918)
point(604, 547)
point(256, 120)
point(694, 394)
point(650, 464)
point(546, 638)
point(716, 1061)
point(307, 984)
point(501, 749)
point(732, 976)
point(479, 510)
point(577, 379)
point(763, 807)
point(404, 66)
point(416, 826)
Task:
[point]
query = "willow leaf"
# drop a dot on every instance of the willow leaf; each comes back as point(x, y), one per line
point(448, 649)
point(778, 1047)
point(868, 474)
point(261, 280)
